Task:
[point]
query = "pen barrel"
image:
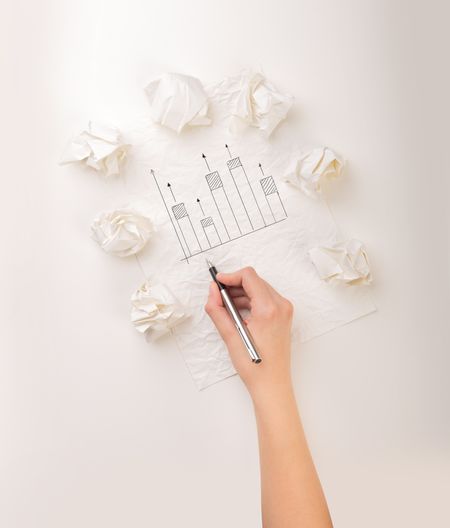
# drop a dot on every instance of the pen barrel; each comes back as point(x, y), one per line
point(240, 326)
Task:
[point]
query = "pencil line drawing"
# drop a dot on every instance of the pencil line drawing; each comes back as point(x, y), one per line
point(269, 188)
point(206, 224)
point(171, 190)
point(206, 161)
point(229, 151)
point(239, 213)
point(167, 209)
point(187, 229)
point(215, 183)
point(201, 207)
point(232, 164)
point(241, 236)
point(241, 181)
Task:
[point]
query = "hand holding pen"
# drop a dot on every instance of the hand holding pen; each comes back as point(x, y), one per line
point(269, 325)
point(233, 311)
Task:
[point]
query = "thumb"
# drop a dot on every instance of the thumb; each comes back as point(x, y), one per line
point(218, 313)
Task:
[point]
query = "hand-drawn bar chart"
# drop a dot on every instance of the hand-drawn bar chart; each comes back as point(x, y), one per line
point(237, 209)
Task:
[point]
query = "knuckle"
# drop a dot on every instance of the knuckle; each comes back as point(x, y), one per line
point(283, 309)
point(208, 308)
point(269, 311)
point(248, 270)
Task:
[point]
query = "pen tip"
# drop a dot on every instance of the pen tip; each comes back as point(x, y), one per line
point(209, 263)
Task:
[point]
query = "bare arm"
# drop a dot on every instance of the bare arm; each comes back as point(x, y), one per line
point(292, 496)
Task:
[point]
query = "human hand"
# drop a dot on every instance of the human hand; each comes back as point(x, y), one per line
point(269, 323)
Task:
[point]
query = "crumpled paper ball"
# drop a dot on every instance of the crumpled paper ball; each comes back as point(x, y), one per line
point(122, 232)
point(309, 170)
point(345, 262)
point(177, 101)
point(155, 311)
point(256, 102)
point(100, 147)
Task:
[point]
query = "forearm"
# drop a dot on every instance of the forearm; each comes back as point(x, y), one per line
point(291, 492)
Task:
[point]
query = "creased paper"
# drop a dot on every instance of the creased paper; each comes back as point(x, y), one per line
point(310, 170)
point(255, 102)
point(122, 232)
point(346, 262)
point(100, 147)
point(177, 101)
point(155, 311)
point(234, 206)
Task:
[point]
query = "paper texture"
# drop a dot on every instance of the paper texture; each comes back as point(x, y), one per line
point(100, 147)
point(309, 170)
point(231, 206)
point(177, 101)
point(253, 101)
point(344, 262)
point(122, 232)
point(155, 311)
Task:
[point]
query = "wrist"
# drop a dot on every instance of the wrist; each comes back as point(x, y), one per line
point(273, 393)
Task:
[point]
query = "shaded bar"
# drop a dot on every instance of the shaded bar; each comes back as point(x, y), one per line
point(210, 230)
point(186, 228)
point(223, 205)
point(273, 198)
point(247, 197)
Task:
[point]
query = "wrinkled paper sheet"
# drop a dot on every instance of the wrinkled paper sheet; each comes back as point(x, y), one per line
point(275, 245)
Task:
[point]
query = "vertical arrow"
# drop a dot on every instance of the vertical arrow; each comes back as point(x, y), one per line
point(206, 161)
point(260, 166)
point(229, 153)
point(170, 187)
point(201, 208)
point(170, 216)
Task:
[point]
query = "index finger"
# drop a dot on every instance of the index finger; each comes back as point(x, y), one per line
point(248, 279)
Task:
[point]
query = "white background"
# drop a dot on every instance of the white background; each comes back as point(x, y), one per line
point(100, 430)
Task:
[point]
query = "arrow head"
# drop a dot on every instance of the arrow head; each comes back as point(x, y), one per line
point(203, 156)
point(198, 199)
point(168, 185)
point(260, 165)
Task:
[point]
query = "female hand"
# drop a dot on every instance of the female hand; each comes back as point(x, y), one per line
point(269, 323)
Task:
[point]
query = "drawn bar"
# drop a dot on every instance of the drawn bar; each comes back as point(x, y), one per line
point(247, 197)
point(273, 198)
point(210, 230)
point(187, 229)
point(268, 185)
point(223, 205)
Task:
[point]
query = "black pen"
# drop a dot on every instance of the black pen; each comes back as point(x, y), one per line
point(235, 315)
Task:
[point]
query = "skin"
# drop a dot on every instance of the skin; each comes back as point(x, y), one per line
point(291, 494)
